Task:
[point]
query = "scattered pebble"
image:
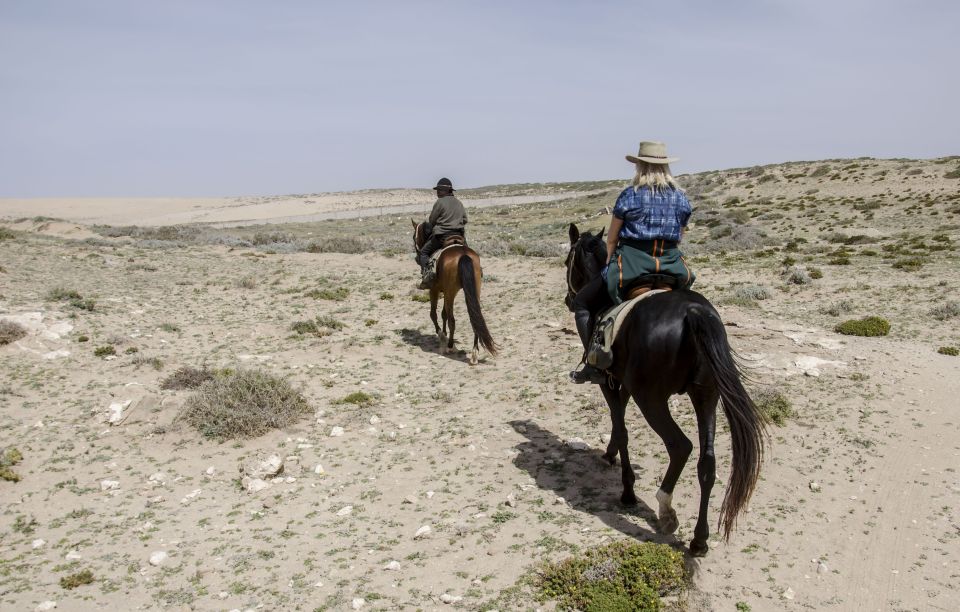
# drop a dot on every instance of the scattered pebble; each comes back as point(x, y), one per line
point(46, 605)
point(158, 558)
point(392, 566)
point(109, 485)
point(319, 470)
point(422, 531)
point(357, 603)
point(38, 543)
point(815, 487)
point(788, 594)
point(336, 432)
point(450, 599)
point(345, 511)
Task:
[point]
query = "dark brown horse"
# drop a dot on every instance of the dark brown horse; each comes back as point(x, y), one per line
point(457, 268)
point(674, 343)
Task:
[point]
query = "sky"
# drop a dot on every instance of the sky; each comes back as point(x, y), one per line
point(220, 98)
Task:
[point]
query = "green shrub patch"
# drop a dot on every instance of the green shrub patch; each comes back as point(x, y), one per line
point(868, 326)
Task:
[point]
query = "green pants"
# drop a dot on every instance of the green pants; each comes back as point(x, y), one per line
point(633, 259)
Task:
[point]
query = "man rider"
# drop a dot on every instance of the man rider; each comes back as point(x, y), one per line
point(447, 218)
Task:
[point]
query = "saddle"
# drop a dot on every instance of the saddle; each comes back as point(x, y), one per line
point(600, 352)
point(449, 242)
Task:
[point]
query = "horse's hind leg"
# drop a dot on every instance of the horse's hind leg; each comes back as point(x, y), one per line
point(617, 401)
point(443, 335)
point(704, 400)
point(475, 353)
point(451, 320)
point(434, 296)
point(657, 413)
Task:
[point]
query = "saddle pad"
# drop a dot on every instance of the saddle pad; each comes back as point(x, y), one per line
point(618, 314)
point(436, 256)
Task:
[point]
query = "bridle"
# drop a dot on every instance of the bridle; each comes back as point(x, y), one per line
point(571, 264)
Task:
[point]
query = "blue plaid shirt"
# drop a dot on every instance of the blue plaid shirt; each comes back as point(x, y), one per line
point(652, 215)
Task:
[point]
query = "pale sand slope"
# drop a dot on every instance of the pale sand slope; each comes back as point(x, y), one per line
point(246, 210)
point(877, 430)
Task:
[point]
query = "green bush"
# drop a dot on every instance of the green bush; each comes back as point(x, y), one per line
point(868, 326)
point(104, 351)
point(243, 404)
point(629, 576)
point(358, 398)
point(74, 580)
point(910, 264)
point(338, 295)
point(949, 350)
point(319, 327)
point(7, 234)
point(773, 405)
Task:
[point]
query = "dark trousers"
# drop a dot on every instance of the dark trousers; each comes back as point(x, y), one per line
point(431, 246)
point(592, 299)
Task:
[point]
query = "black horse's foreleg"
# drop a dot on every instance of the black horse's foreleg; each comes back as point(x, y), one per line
point(705, 404)
point(617, 399)
point(679, 447)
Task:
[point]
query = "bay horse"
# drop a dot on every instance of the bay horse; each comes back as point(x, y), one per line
point(674, 343)
point(457, 268)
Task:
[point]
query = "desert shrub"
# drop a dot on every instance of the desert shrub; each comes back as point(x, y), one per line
point(386, 296)
point(11, 332)
point(815, 273)
point(337, 294)
point(243, 404)
point(838, 308)
point(945, 311)
point(104, 351)
point(420, 297)
point(74, 580)
point(247, 282)
point(269, 238)
point(773, 405)
point(187, 377)
point(319, 327)
point(751, 292)
point(9, 458)
point(839, 260)
point(820, 171)
point(338, 244)
point(867, 206)
point(628, 576)
point(168, 233)
point(796, 275)
point(914, 172)
point(909, 264)
point(949, 350)
point(953, 174)
point(154, 362)
point(358, 398)
point(868, 326)
point(7, 233)
point(72, 297)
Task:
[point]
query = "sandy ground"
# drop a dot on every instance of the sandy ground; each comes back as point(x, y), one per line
point(479, 454)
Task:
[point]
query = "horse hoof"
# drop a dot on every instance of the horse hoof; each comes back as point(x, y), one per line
point(628, 499)
point(610, 458)
point(698, 549)
point(473, 358)
point(668, 522)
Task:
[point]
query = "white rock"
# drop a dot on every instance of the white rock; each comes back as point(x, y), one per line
point(358, 602)
point(374, 420)
point(304, 446)
point(577, 444)
point(38, 543)
point(73, 555)
point(116, 411)
point(345, 511)
point(815, 487)
point(392, 566)
point(158, 558)
point(46, 605)
point(223, 594)
point(211, 471)
point(424, 530)
point(788, 594)
point(336, 432)
point(822, 567)
point(319, 470)
point(511, 501)
point(255, 485)
point(267, 468)
point(191, 495)
point(450, 599)
point(158, 477)
point(109, 485)
point(430, 494)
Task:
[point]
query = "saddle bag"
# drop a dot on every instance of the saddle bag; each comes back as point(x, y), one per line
point(600, 352)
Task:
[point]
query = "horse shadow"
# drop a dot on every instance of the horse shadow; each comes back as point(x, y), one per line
point(586, 482)
point(429, 343)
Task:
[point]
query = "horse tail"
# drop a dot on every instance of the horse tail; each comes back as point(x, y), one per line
point(747, 424)
point(470, 283)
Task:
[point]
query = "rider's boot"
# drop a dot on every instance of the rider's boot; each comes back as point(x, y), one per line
point(587, 373)
point(426, 273)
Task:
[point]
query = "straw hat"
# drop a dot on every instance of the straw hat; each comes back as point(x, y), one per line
point(652, 153)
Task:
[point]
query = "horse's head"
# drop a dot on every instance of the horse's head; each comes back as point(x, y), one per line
point(421, 232)
point(588, 254)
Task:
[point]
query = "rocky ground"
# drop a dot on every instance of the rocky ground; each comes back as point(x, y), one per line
point(421, 482)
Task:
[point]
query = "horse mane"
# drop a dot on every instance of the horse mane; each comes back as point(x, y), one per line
point(594, 245)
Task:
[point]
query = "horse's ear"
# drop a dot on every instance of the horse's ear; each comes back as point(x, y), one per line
point(413, 223)
point(600, 233)
point(574, 233)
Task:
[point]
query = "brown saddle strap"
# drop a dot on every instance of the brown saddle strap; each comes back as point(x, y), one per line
point(640, 290)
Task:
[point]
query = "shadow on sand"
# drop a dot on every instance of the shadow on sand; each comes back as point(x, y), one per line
point(587, 483)
point(429, 343)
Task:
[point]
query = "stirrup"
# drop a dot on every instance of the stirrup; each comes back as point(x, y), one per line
point(588, 374)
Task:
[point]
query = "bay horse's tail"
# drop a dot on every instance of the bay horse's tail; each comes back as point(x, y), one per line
point(747, 424)
point(470, 283)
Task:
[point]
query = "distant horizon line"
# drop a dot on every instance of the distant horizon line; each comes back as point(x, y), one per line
point(462, 189)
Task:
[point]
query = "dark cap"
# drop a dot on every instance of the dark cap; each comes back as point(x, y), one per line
point(444, 183)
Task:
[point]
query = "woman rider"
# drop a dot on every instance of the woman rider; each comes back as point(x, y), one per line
point(649, 220)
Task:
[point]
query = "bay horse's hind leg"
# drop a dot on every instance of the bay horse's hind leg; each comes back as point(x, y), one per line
point(434, 296)
point(704, 400)
point(657, 413)
point(450, 318)
point(442, 336)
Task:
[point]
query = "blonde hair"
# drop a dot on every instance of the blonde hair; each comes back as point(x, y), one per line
point(654, 176)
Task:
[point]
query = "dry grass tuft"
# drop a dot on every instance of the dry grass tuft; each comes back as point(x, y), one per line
point(11, 332)
point(187, 378)
point(243, 404)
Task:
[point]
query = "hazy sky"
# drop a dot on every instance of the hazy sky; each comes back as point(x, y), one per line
point(108, 98)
